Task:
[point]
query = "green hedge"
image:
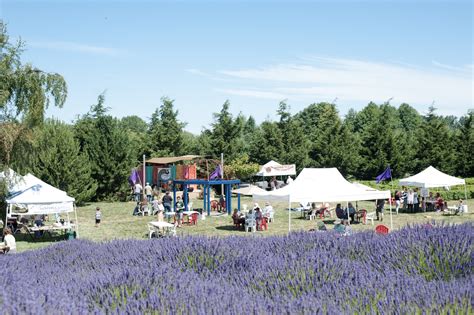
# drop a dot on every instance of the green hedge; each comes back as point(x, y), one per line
point(454, 193)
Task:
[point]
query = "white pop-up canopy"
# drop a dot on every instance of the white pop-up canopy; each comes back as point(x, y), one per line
point(321, 185)
point(29, 195)
point(249, 190)
point(273, 168)
point(430, 178)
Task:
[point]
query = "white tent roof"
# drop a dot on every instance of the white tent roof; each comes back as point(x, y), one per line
point(362, 186)
point(273, 168)
point(249, 191)
point(321, 185)
point(39, 197)
point(431, 177)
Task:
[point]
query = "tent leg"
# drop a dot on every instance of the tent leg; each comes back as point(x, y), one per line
point(348, 217)
point(391, 220)
point(77, 223)
point(289, 215)
point(465, 193)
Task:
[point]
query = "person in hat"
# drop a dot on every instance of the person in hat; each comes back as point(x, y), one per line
point(268, 210)
point(149, 192)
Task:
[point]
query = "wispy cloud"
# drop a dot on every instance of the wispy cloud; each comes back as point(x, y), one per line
point(76, 47)
point(355, 80)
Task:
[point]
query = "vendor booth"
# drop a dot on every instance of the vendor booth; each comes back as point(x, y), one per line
point(321, 185)
point(30, 196)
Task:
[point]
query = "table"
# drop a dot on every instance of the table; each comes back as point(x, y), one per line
point(48, 229)
point(164, 228)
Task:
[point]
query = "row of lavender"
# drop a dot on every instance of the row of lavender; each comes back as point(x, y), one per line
point(418, 269)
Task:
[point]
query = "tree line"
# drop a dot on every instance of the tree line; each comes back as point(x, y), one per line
point(92, 157)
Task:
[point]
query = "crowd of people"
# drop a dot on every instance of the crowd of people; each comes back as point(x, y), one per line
point(255, 217)
point(415, 200)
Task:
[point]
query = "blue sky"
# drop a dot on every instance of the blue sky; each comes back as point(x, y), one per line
point(253, 53)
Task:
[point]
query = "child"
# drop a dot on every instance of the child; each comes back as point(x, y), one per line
point(98, 216)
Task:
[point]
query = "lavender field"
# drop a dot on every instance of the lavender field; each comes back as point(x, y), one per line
point(420, 269)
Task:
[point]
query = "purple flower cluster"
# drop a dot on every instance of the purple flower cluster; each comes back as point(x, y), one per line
point(415, 270)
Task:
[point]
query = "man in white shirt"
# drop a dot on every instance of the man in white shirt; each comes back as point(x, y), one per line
point(138, 192)
point(149, 192)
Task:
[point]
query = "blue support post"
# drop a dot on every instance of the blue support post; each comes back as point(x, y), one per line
point(229, 198)
point(185, 196)
point(238, 202)
point(208, 200)
point(174, 197)
point(204, 198)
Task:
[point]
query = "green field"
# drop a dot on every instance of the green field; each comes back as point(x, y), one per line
point(118, 223)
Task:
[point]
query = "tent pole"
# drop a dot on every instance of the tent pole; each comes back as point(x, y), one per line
point(144, 178)
point(465, 192)
point(347, 210)
point(77, 223)
point(289, 214)
point(391, 221)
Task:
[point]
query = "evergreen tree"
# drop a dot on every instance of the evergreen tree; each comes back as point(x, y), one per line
point(435, 144)
point(465, 146)
point(165, 130)
point(267, 143)
point(109, 151)
point(59, 162)
point(323, 125)
point(295, 142)
point(225, 135)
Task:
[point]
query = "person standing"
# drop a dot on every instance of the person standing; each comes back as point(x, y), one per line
point(416, 200)
point(167, 201)
point(138, 192)
point(149, 192)
point(397, 200)
point(379, 205)
point(410, 200)
point(404, 198)
point(98, 216)
point(179, 211)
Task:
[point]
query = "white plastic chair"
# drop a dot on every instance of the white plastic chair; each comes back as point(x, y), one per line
point(250, 225)
point(151, 231)
point(271, 216)
point(370, 216)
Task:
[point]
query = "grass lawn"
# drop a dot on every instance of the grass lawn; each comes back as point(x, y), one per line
point(118, 223)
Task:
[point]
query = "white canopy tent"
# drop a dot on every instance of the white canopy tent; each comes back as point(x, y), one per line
point(273, 168)
point(29, 195)
point(321, 185)
point(249, 190)
point(432, 178)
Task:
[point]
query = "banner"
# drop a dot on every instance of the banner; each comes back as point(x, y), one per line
point(164, 174)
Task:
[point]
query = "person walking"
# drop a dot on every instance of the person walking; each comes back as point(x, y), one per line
point(98, 217)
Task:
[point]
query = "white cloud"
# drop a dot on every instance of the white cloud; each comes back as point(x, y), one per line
point(362, 81)
point(253, 93)
point(76, 47)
